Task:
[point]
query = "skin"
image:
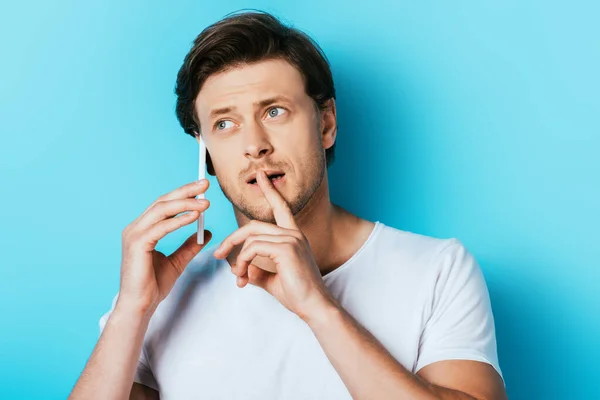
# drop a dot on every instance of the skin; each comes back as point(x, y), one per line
point(289, 236)
point(260, 141)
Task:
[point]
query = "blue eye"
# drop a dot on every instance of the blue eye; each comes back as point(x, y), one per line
point(220, 125)
point(273, 112)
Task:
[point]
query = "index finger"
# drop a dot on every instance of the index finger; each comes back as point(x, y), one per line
point(189, 190)
point(281, 209)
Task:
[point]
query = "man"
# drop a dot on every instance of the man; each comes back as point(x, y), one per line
point(304, 300)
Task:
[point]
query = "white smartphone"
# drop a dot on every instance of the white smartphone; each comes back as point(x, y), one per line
point(201, 175)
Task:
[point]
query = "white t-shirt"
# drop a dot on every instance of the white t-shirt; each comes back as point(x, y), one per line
point(425, 299)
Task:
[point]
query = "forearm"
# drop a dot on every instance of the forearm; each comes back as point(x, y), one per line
point(110, 369)
point(364, 365)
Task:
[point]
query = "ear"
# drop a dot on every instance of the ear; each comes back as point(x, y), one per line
point(328, 124)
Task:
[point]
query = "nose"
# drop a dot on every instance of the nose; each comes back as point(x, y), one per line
point(257, 144)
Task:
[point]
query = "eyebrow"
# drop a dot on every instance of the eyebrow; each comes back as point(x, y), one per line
point(257, 104)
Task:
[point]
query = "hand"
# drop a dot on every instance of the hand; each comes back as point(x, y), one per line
point(147, 275)
point(297, 282)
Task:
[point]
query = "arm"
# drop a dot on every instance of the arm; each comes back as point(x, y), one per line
point(370, 372)
point(458, 337)
point(110, 370)
point(366, 368)
point(147, 277)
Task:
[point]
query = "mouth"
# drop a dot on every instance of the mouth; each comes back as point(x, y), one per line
point(274, 176)
point(277, 178)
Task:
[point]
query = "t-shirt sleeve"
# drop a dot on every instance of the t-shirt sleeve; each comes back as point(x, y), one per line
point(143, 373)
point(461, 324)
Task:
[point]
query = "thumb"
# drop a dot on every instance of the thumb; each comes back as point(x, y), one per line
point(181, 257)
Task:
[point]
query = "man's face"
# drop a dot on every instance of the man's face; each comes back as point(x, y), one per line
point(259, 117)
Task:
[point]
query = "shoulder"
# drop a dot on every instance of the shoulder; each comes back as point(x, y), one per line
point(426, 260)
point(421, 248)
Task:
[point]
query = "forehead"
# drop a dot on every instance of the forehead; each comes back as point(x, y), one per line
point(249, 83)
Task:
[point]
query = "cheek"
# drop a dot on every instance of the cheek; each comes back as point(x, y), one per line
point(225, 170)
point(301, 138)
point(222, 159)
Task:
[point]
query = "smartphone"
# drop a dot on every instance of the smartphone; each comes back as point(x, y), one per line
point(201, 175)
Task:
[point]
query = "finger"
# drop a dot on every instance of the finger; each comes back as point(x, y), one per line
point(252, 228)
point(261, 248)
point(241, 269)
point(241, 281)
point(191, 189)
point(163, 210)
point(181, 257)
point(259, 277)
point(281, 209)
point(150, 237)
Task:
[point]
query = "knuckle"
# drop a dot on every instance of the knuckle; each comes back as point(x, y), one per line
point(132, 238)
point(296, 240)
point(251, 245)
point(127, 233)
point(199, 203)
point(299, 235)
point(249, 242)
point(161, 198)
point(157, 205)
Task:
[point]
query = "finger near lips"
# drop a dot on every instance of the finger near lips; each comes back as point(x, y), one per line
point(261, 238)
point(281, 210)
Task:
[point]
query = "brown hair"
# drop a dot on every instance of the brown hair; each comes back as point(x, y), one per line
point(242, 38)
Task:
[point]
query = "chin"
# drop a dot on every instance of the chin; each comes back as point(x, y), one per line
point(263, 212)
point(268, 218)
point(260, 211)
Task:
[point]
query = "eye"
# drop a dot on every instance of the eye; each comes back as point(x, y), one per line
point(220, 125)
point(274, 113)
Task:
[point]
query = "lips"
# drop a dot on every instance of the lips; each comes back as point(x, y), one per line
point(273, 175)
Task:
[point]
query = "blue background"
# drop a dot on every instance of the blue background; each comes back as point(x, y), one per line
point(456, 119)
